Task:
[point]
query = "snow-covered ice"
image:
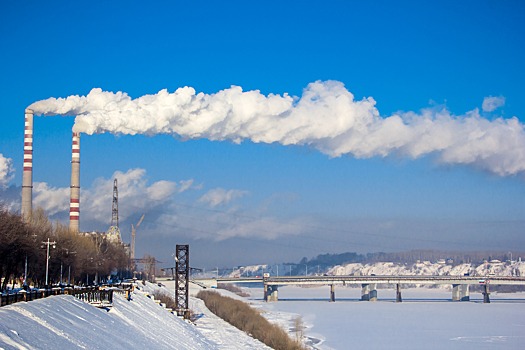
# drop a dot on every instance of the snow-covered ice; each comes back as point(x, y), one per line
point(426, 319)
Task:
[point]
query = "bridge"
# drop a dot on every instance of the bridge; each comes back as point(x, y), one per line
point(460, 284)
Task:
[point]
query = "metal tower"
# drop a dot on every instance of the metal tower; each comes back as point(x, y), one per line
point(182, 278)
point(113, 233)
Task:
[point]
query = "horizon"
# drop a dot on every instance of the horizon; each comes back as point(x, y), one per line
point(284, 169)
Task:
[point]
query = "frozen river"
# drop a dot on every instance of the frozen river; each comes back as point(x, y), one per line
point(426, 319)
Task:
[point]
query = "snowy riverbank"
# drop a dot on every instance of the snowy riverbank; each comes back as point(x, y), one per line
point(425, 319)
point(63, 322)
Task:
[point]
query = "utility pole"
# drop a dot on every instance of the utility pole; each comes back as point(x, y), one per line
point(25, 274)
point(48, 243)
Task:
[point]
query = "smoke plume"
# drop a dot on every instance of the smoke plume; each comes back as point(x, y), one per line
point(326, 117)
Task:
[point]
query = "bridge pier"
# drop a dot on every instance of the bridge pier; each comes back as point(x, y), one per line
point(332, 293)
point(465, 293)
point(365, 292)
point(373, 292)
point(398, 293)
point(270, 293)
point(460, 292)
point(486, 293)
point(455, 292)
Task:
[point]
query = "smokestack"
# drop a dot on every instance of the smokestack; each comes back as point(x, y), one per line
point(74, 202)
point(27, 180)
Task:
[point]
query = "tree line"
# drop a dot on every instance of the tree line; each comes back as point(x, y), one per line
point(325, 261)
point(72, 258)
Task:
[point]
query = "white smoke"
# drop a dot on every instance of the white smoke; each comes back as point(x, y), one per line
point(326, 117)
point(6, 171)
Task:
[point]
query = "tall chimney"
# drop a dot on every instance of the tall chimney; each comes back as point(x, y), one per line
point(27, 180)
point(74, 201)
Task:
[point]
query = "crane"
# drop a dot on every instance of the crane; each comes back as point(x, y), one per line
point(133, 233)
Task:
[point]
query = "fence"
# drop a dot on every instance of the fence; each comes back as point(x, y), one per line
point(94, 295)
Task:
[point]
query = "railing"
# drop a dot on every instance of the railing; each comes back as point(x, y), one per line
point(93, 295)
point(33, 294)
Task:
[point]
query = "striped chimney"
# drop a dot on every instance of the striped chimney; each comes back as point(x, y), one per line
point(74, 201)
point(27, 179)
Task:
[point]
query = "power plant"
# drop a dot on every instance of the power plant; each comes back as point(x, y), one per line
point(113, 234)
point(27, 179)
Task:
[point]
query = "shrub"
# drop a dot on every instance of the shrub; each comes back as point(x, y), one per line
point(165, 299)
point(242, 316)
point(233, 288)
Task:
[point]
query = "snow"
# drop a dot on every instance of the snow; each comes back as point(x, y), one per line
point(430, 269)
point(213, 327)
point(64, 322)
point(426, 319)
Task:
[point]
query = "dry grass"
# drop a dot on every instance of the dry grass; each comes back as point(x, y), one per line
point(242, 316)
point(232, 288)
point(170, 303)
point(165, 299)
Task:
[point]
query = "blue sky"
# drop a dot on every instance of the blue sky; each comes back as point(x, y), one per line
point(265, 202)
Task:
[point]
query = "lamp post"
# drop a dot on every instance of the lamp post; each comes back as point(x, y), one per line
point(48, 243)
point(68, 267)
point(25, 274)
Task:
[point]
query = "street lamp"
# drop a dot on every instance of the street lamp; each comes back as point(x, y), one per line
point(69, 266)
point(48, 243)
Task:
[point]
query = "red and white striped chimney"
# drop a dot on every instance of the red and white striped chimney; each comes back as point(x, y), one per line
point(74, 201)
point(27, 179)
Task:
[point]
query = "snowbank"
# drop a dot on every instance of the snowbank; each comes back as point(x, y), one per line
point(63, 322)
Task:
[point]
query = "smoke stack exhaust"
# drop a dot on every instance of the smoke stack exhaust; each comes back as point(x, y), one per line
point(74, 201)
point(27, 180)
